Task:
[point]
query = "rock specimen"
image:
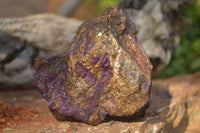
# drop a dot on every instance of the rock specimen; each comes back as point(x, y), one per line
point(105, 72)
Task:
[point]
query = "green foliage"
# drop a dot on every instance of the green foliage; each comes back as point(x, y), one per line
point(187, 56)
point(101, 5)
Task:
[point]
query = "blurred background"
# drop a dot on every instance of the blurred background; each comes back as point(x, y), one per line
point(169, 31)
point(182, 42)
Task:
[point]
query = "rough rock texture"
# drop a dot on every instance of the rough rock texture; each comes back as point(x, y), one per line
point(175, 108)
point(22, 39)
point(105, 72)
point(159, 24)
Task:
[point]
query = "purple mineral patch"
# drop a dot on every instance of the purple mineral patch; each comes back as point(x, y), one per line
point(105, 72)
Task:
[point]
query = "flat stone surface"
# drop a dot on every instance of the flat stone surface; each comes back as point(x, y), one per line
point(175, 107)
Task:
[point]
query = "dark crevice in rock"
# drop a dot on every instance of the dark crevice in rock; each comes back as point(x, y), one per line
point(12, 56)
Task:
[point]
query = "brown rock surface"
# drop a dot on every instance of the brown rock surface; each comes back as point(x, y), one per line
point(106, 72)
point(3, 112)
point(175, 107)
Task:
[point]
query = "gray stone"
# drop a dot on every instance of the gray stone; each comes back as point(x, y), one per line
point(159, 24)
point(22, 39)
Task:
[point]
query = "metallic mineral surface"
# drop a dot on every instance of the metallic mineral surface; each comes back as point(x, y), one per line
point(106, 72)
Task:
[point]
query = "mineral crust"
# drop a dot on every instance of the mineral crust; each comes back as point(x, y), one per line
point(106, 72)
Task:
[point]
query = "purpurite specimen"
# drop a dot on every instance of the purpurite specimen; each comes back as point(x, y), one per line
point(105, 72)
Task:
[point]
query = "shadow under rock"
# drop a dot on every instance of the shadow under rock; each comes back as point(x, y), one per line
point(160, 97)
point(160, 100)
